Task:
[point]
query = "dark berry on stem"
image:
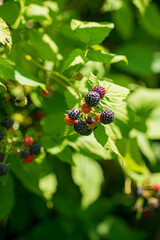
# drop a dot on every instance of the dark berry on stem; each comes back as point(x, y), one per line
point(1, 135)
point(2, 157)
point(3, 169)
point(35, 148)
point(100, 90)
point(74, 114)
point(80, 127)
point(92, 98)
point(87, 132)
point(7, 122)
point(89, 120)
point(107, 116)
point(24, 153)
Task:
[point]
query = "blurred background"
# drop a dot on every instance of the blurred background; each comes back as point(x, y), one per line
point(97, 200)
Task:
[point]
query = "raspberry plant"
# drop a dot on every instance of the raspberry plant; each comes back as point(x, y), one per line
point(78, 118)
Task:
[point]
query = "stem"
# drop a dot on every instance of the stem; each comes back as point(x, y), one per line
point(56, 74)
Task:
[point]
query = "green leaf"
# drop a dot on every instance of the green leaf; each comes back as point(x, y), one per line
point(91, 32)
point(5, 35)
point(36, 13)
point(132, 158)
point(102, 56)
point(151, 21)
point(114, 228)
point(141, 5)
point(140, 58)
point(111, 5)
point(6, 70)
point(124, 28)
point(71, 97)
point(88, 175)
point(35, 176)
point(75, 57)
point(10, 16)
point(25, 79)
point(43, 44)
point(102, 138)
point(6, 195)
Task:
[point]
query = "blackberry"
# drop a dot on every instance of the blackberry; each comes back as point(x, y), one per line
point(80, 127)
point(3, 169)
point(107, 116)
point(87, 132)
point(35, 148)
point(1, 135)
point(74, 114)
point(89, 120)
point(24, 153)
point(100, 90)
point(2, 157)
point(92, 98)
point(7, 122)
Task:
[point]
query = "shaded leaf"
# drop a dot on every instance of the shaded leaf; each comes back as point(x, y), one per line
point(88, 175)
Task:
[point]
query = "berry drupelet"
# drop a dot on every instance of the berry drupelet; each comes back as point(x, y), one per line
point(3, 169)
point(35, 148)
point(92, 99)
point(69, 121)
point(24, 153)
point(100, 90)
point(74, 114)
point(80, 127)
point(87, 132)
point(7, 122)
point(85, 108)
point(107, 116)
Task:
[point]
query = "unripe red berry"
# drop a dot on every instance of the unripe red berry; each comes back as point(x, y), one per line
point(85, 108)
point(28, 141)
point(97, 118)
point(29, 159)
point(45, 94)
point(156, 187)
point(69, 121)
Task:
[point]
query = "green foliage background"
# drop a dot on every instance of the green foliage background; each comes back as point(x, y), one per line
point(76, 188)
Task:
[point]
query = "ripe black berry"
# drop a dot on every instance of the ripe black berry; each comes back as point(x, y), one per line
point(100, 90)
point(80, 127)
point(74, 114)
point(107, 116)
point(89, 120)
point(3, 169)
point(2, 157)
point(1, 135)
point(24, 153)
point(87, 132)
point(35, 148)
point(92, 98)
point(7, 122)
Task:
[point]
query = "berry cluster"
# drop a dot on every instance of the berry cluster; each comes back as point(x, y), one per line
point(150, 194)
point(89, 117)
point(34, 148)
point(27, 152)
point(6, 123)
